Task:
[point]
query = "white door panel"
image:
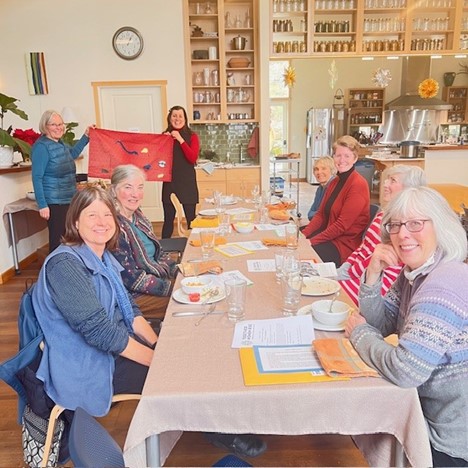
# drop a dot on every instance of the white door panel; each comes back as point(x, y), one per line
point(134, 107)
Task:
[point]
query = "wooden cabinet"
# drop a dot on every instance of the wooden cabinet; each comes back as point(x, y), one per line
point(360, 27)
point(221, 57)
point(366, 106)
point(458, 97)
point(238, 181)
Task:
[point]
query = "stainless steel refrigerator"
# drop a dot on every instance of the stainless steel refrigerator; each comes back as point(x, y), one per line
point(324, 126)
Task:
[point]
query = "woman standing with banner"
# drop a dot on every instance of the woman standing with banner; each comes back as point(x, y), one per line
point(184, 181)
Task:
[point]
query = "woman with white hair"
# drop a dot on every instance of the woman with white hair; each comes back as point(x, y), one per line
point(397, 178)
point(324, 172)
point(427, 307)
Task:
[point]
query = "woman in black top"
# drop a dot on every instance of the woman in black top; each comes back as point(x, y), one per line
point(184, 181)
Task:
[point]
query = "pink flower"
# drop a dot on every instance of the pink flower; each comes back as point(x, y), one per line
point(29, 136)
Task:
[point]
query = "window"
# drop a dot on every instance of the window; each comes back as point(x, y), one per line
point(279, 108)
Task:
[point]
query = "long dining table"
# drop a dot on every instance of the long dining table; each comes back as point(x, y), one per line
point(195, 383)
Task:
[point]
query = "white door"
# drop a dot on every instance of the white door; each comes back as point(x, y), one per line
point(134, 106)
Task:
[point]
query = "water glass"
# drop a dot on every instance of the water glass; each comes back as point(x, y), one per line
point(207, 240)
point(292, 235)
point(235, 298)
point(291, 289)
point(279, 257)
point(224, 221)
point(218, 201)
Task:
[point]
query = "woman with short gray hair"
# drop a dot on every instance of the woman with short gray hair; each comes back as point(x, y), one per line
point(427, 307)
point(397, 178)
point(324, 172)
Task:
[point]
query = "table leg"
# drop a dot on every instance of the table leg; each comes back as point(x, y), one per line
point(13, 243)
point(152, 451)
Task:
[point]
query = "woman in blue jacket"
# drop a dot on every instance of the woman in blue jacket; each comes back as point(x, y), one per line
point(54, 173)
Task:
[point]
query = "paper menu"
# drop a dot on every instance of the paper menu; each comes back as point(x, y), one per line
point(297, 330)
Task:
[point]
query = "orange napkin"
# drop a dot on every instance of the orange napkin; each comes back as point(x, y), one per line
point(212, 266)
point(273, 241)
point(338, 358)
point(280, 215)
point(284, 205)
point(204, 222)
point(197, 242)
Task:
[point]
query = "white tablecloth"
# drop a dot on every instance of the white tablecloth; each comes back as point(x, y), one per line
point(195, 383)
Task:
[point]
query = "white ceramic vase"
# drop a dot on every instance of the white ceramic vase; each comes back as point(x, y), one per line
point(6, 156)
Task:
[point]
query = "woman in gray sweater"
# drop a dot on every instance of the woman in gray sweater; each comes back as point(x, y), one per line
point(427, 307)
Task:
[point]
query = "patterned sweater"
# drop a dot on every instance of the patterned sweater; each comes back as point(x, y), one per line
point(143, 274)
point(350, 273)
point(430, 316)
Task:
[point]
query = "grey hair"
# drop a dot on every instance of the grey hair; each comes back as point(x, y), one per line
point(45, 119)
point(328, 161)
point(120, 174)
point(429, 204)
point(412, 176)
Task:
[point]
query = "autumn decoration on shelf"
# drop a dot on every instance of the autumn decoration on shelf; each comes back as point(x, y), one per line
point(428, 88)
point(289, 76)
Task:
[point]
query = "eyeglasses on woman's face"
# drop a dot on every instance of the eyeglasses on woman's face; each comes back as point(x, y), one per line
point(412, 225)
point(56, 125)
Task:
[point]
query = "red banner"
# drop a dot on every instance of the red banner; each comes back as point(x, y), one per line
point(150, 152)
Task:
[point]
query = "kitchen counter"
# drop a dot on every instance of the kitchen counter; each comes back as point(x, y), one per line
point(445, 147)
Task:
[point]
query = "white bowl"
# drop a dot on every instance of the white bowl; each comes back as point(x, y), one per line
point(244, 227)
point(338, 314)
point(196, 284)
point(31, 195)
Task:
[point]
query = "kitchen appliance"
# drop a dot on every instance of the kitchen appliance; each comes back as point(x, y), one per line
point(324, 126)
point(409, 149)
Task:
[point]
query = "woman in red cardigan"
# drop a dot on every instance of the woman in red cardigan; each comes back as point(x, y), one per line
point(336, 229)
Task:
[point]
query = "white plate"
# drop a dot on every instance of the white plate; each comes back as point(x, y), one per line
point(179, 296)
point(228, 201)
point(208, 213)
point(319, 325)
point(317, 286)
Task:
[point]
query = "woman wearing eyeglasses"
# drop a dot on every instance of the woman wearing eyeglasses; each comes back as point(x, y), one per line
point(427, 307)
point(54, 173)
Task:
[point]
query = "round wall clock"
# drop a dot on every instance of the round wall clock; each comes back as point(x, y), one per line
point(127, 43)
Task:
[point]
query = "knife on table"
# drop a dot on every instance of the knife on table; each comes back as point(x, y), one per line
point(188, 313)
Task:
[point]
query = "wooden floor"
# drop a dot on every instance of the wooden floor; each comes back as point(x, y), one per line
point(192, 449)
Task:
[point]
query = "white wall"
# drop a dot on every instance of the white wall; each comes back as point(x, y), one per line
point(76, 36)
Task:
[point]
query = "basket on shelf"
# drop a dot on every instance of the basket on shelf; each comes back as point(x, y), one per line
point(238, 62)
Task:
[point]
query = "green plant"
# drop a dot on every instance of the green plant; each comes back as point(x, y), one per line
point(7, 104)
point(69, 136)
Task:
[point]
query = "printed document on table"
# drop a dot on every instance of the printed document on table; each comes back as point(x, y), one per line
point(261, 265)
point(252, 245)
point(234, 274)
point(297, 330)
point(274, 359)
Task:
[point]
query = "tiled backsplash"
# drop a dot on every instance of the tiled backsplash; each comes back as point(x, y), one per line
point(217, 140)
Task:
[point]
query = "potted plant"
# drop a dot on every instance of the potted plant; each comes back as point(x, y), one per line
point(9, 143)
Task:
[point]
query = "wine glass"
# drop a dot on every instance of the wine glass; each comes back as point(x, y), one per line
point(255, 193)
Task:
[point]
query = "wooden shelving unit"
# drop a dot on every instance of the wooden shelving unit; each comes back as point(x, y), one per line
point(363, 27)
point(366, 106)
point(220, 92)
point(458, 97)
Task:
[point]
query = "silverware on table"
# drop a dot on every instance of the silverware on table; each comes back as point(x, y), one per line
point(209, 312)
point(192, 313)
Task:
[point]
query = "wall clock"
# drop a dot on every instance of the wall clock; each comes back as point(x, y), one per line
point(127, 43)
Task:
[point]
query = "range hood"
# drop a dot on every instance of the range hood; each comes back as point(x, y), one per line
point(415, 70)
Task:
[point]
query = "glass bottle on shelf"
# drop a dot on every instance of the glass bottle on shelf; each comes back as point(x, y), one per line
point(247, 20)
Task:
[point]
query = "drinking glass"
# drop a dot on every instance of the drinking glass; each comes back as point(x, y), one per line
point(224, 221)
point(292, 235)
point(207, 239)
point(235, 297)
point(291, 288)
point(218, 201)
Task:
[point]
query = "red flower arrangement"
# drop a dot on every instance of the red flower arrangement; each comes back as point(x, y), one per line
point(29, 136)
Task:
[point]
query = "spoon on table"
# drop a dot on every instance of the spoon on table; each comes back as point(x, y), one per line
point(333, 301)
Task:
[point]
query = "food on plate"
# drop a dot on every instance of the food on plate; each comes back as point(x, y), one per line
point(194, 297)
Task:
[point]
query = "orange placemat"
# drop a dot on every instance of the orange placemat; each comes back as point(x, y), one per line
point(192, 268)
point(270, 242)
point(197, 242)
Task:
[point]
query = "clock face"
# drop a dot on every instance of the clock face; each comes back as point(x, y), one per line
point(127, 43)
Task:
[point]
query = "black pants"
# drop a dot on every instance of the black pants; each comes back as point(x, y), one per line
point(169, 217)
point(443, 460)
point(328, 253)
point(56, 223)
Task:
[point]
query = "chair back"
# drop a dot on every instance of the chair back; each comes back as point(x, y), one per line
point(373, 210)
point(90, 443)
point(181, 230)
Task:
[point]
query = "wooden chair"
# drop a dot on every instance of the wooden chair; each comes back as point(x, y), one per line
point(181, 229)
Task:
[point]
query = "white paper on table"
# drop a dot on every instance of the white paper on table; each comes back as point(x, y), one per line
point(283, 359)
point(296, 330)
point(232, 250)
point(197, 230)
point(252, 245)
point(234, 211)
point(261, 265)
point(234, 274)
point(327, 269)
point(266, 227)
